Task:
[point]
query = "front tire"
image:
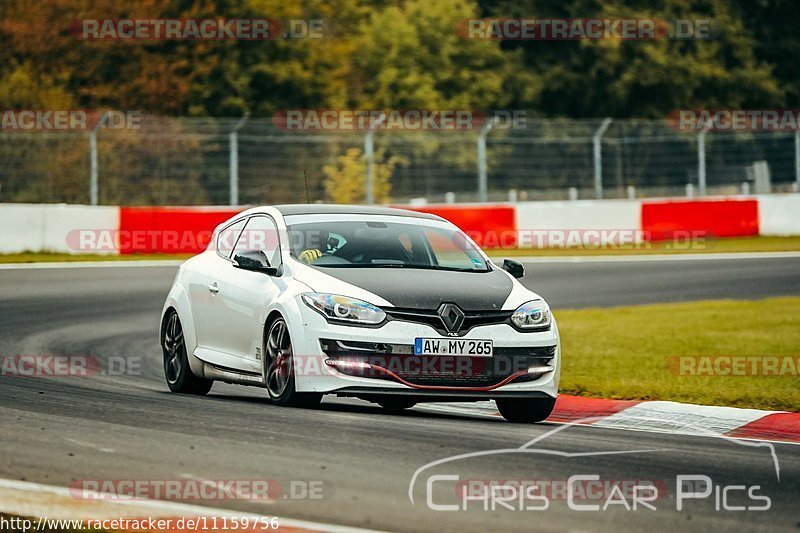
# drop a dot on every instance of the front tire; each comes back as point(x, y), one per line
point(525, 411)
point(280, 369)
point(179, 376)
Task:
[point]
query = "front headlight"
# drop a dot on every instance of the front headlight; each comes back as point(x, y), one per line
point(336, 307)
point(532, 315)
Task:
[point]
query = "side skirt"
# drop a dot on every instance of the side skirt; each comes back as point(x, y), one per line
point(230, 375)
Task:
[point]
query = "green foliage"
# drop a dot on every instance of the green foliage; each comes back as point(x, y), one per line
point(345, 183)
point(411, 57)
point(400, 53)
point(645, 79)
point(23, 88)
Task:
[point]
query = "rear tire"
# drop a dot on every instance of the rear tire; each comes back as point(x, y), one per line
point(396, 405)
point(280, 369)
point(177, 372)
point(525, 411)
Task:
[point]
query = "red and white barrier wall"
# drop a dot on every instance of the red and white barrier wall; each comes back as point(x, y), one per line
point(123, 230)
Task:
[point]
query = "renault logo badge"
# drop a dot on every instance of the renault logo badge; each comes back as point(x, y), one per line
point(452, 317)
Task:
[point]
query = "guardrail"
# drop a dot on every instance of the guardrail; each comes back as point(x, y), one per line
point(229, 161)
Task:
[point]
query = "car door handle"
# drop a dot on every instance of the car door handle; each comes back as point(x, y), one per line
point(213, 288)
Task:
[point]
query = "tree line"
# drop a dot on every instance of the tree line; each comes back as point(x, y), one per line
point(400, 54)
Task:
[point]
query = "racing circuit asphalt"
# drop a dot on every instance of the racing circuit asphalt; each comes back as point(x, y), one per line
point(59, 430)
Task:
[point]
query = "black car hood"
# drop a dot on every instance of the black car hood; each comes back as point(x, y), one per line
point(427, 289)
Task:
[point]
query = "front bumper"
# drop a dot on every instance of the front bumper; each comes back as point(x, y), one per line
point(389, 373)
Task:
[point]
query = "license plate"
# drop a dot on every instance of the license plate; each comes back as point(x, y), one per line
point(471, 347)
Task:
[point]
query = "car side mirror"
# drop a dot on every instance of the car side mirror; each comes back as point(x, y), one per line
point(255, 261)
point(514, 268)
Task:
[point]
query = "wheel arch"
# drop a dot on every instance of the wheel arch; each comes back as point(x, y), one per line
point(272, 316)
point(168, 309)
point(178, 301)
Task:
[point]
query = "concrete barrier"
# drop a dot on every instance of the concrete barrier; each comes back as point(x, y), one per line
point(721, 217)
point(779, 214)
point(46, 227)
point(579, 222)
point(74, 228)
point(169, 229)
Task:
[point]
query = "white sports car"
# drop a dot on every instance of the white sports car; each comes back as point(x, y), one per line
point(388, 305)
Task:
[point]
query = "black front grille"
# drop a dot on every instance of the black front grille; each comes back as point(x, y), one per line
point(448, 371)
point(430, 317)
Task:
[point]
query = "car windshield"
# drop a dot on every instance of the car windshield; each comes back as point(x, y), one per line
point(379, 244)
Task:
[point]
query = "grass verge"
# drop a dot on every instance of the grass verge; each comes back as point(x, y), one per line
point(624, 352)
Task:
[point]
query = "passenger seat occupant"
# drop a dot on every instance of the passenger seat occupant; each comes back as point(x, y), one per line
point(310, 255)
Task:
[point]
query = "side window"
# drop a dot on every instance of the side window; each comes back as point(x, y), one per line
point(226, 239)
point(260, 234)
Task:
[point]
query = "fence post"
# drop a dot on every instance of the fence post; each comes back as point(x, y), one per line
point(797, 160)
point(598, 157)
point(233, 160)
point(93, 159)
point(701, 162)
point(369, 154)
point(483, 186)
point(93, 167)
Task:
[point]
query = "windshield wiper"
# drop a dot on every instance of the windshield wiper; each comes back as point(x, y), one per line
point(406, 265)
